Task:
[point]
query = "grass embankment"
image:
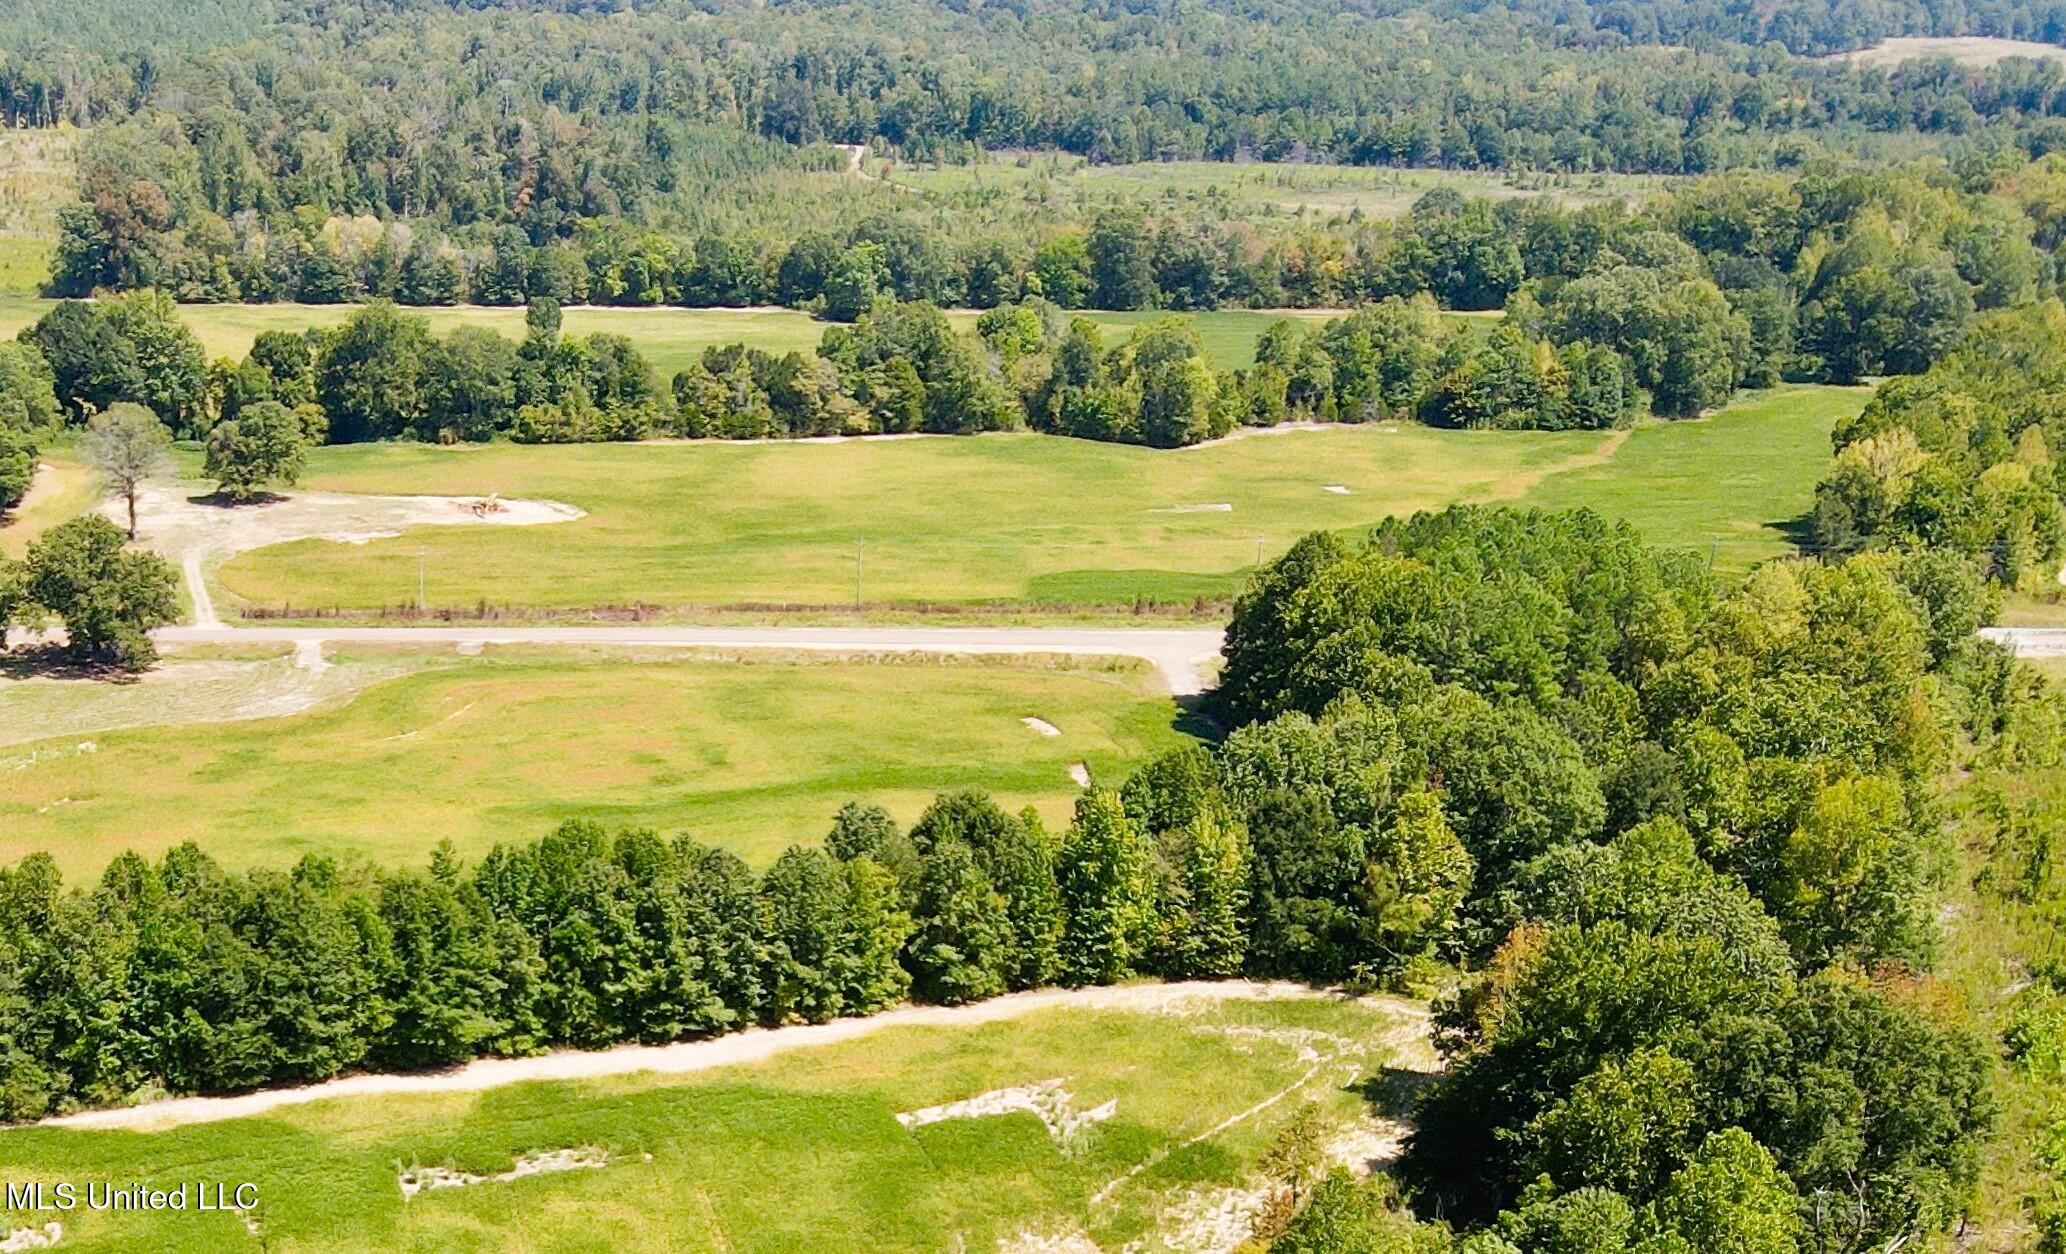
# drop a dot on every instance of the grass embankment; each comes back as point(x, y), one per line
point(798, 1152)
point(1016, 518)
point(750, 754)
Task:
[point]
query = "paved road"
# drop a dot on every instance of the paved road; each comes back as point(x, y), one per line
point(1177, 653)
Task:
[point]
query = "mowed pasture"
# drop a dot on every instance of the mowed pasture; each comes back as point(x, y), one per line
point(1735, 486)
point(670, 338)
point(802, 1151)
point(750, 753)
point(1011, 519)
point(949, 519)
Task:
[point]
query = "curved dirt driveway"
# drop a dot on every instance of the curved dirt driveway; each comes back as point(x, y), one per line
point(752, 1045)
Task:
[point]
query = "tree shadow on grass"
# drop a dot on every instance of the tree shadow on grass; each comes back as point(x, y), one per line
point(53, 661)
point(1799, 531)
point(1394, 1092)
point(1195, 718)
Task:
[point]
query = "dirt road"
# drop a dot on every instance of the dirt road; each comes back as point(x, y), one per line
point(1177, 653)
point(689, 1056)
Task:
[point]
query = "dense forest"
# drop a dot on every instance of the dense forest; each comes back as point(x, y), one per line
point(273, 165)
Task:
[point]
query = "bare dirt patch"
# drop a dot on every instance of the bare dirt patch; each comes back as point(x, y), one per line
point(1049, 1101)
point(420, 1179)
point(193, 531)
point(43, 1238)
point(177, 691)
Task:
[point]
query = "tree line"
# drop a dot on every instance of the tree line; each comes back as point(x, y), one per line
point(1960, 457)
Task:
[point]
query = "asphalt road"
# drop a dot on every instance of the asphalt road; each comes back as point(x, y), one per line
point(1176, 653)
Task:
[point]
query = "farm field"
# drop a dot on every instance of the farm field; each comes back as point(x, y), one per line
point(1729, 485)
point(1011, 518)
point(1199, 1091)
point(401, 750)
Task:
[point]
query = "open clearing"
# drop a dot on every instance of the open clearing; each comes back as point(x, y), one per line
point(1732, 485)
point(686, 1161)
point(1010, 518)
point(1250, 189)
point(1977, 50)
point(747, 752)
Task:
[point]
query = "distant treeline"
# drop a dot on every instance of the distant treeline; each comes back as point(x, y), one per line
point(540, 113)
point(1993, 221)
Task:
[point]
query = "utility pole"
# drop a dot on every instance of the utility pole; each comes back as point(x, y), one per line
point(1258, 551)
point(860, 552)
point(421, 604)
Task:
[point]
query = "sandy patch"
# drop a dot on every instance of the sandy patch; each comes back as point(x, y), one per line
point(1219, 1221)
point(1062, 1241)
point(190, 532)
point(1214, 507)
point(1041, 725)
point(176, 691)
point(1080, 772)
point(1049, 1101)
point(32, 1238)
point(308, 656)
point(1336, 488)
point(421, 1179)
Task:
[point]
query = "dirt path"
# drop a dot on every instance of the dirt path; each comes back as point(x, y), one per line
point(1519, 485)
point(750, 1046)
point(1179, 654)
point(192, 532)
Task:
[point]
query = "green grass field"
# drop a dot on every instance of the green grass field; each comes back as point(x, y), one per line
point(752, 754)
point(946, 519)
point(66, 490)
point(798, 1152)
point(1012, 518)
point(1729, 485)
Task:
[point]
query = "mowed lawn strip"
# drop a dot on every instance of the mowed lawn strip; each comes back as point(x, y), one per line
point(1735, 485)
point(753, 755)
point(799, 1152)
point(948, 519)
